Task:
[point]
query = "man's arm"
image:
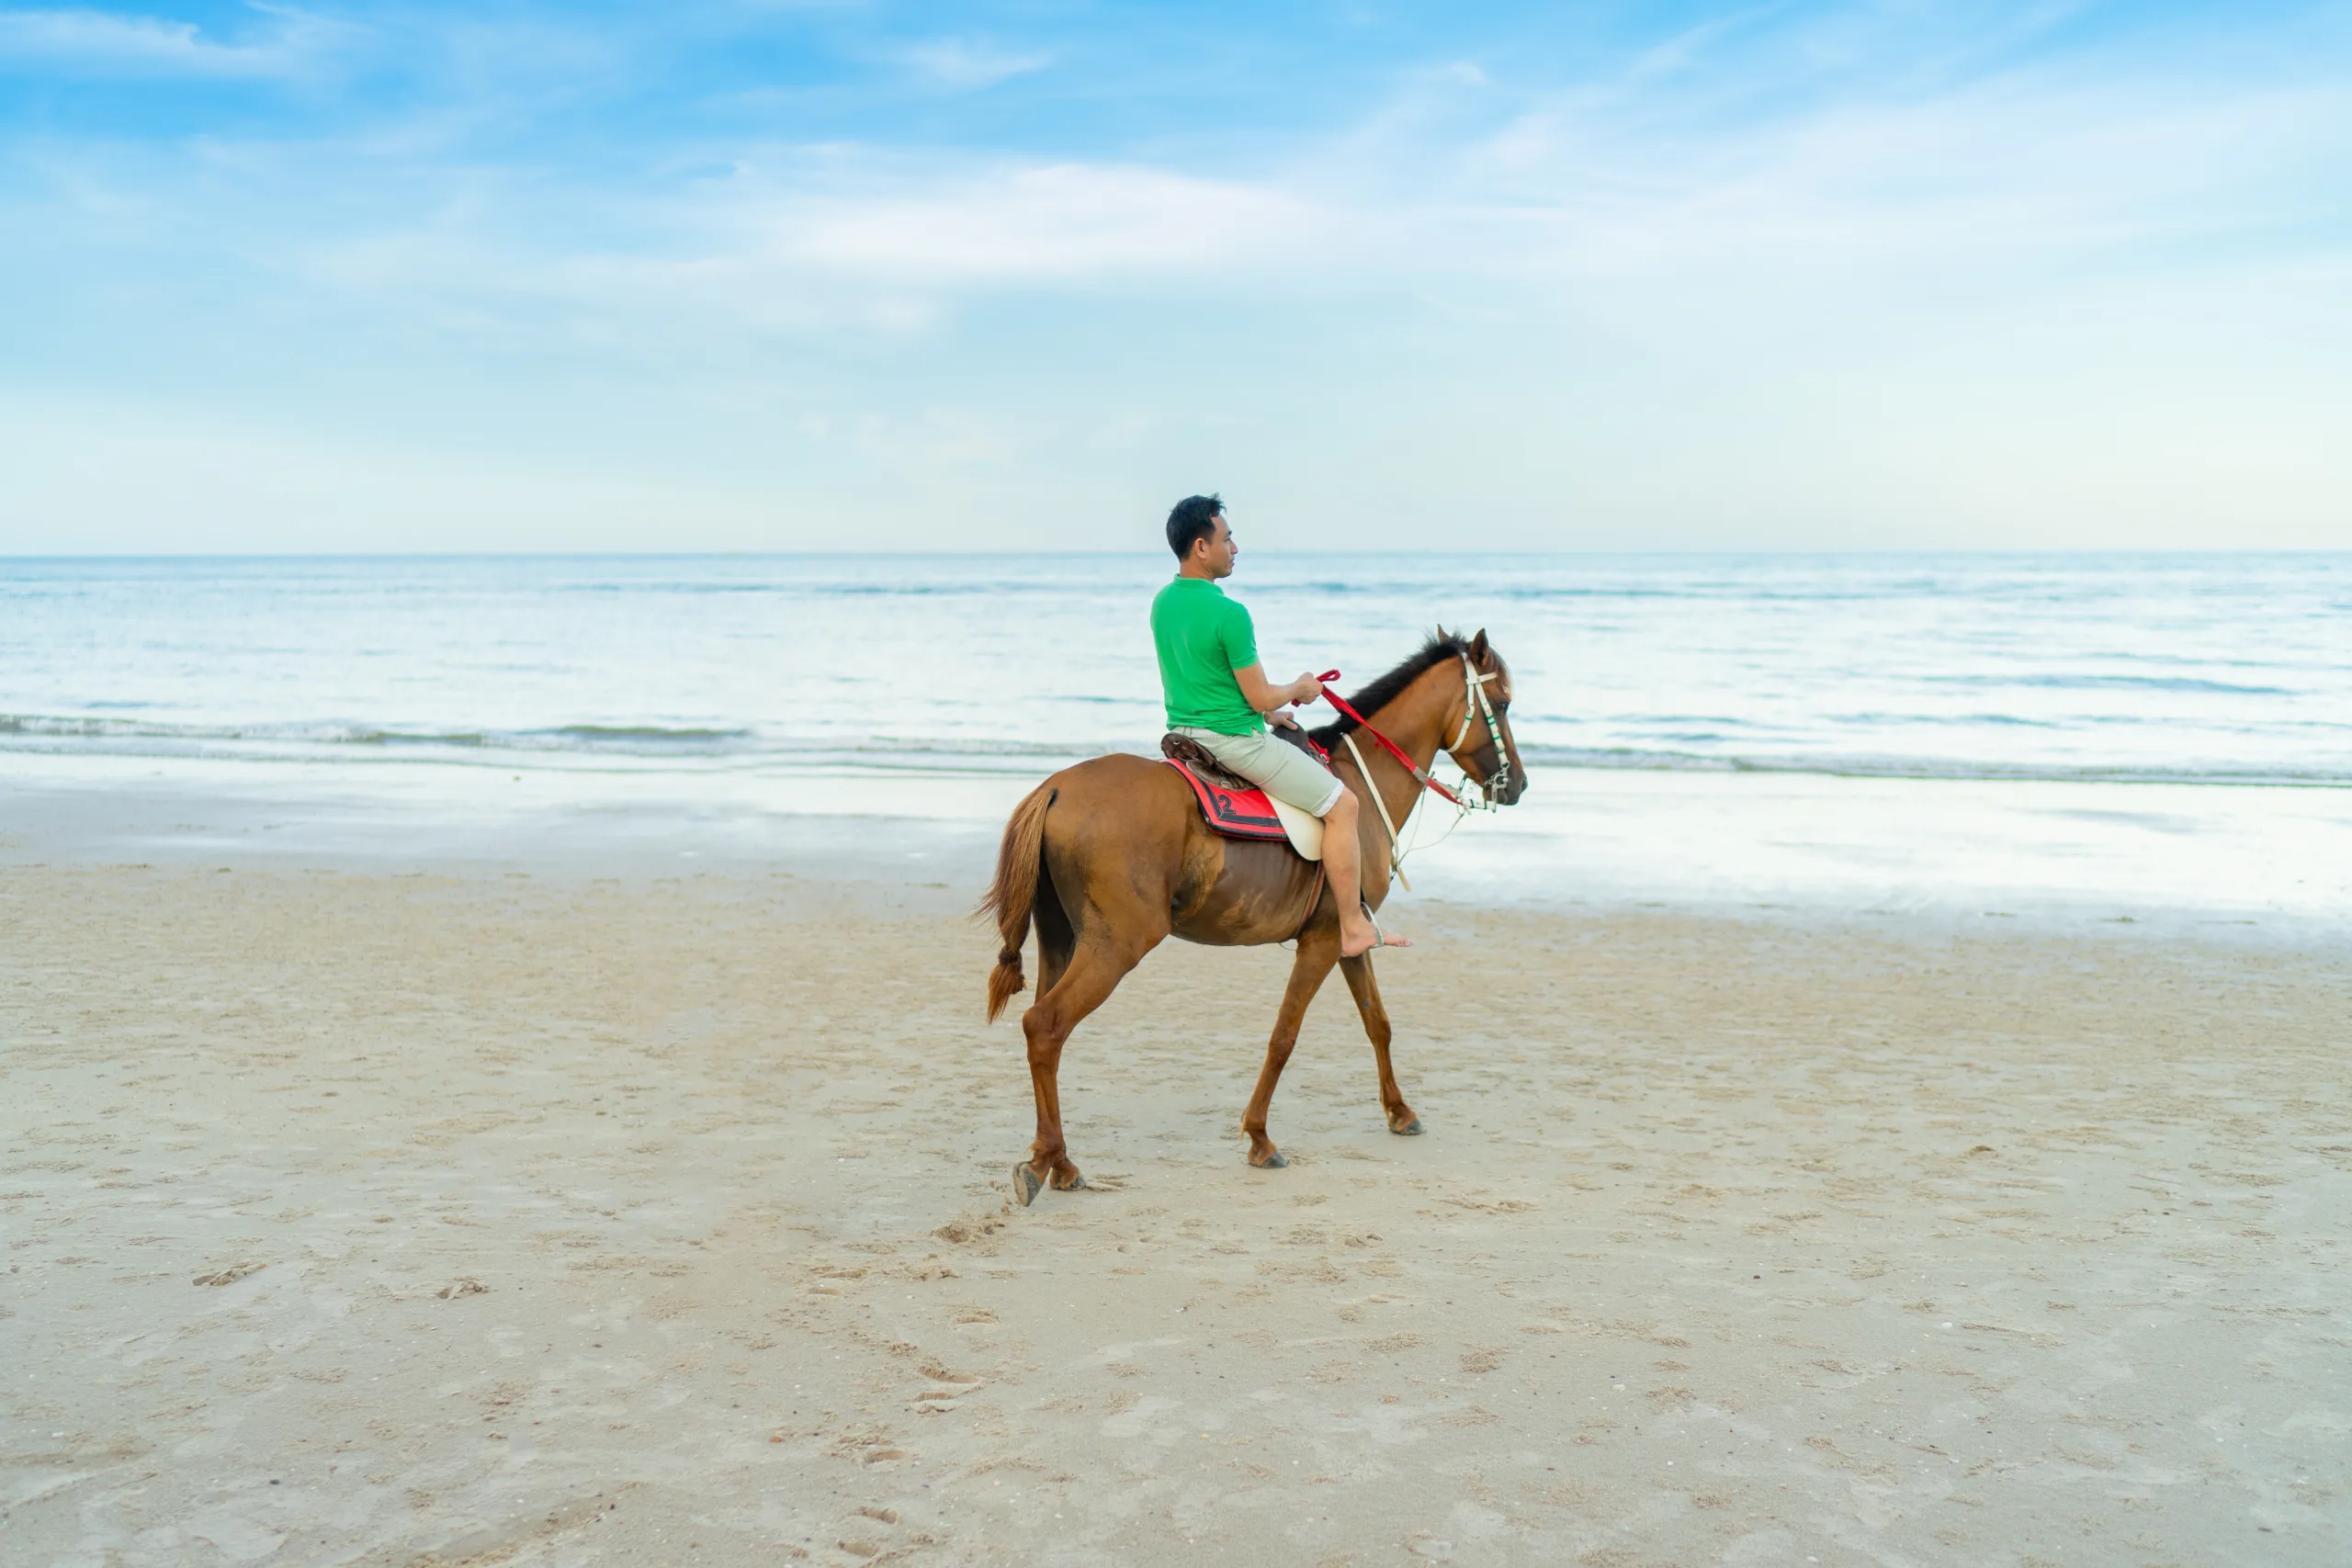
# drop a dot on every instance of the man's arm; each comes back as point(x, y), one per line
point(1266, 698)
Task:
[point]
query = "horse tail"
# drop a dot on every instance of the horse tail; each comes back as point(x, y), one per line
point(1014, 895)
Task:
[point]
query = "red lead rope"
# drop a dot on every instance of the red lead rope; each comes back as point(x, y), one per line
point(1394, 750)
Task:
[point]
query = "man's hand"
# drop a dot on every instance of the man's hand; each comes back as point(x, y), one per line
point(1283, 717)
point(1305, 689)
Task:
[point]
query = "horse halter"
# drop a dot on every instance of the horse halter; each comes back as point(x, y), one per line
point(1474, 702)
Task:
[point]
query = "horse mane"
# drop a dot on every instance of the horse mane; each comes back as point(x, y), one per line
point(1442, 646)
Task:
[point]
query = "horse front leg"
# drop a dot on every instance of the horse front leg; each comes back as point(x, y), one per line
point(1317, 951)
point(1366, 991)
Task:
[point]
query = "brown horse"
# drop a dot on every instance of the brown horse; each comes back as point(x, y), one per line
point(1112, 857)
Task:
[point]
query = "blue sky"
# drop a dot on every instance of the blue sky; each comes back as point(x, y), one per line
point(814, 275)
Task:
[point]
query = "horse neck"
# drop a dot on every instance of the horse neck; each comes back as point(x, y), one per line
point(1417, 720)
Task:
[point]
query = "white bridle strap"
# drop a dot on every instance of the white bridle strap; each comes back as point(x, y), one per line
point(1475, 704)
point(1395, 850)
point(1472, 698)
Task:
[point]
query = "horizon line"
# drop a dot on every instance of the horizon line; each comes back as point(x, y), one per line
point(1261, 550)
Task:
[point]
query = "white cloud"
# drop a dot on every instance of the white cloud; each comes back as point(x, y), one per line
point(1054, 222)
point(2016, 171)
point(2017, 174)
point(103, 43)
point(1815, 222)
point(966, 64)
point(831, 241)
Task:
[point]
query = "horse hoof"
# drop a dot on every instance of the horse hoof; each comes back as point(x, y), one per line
point(1275, 1161)
point(1410, 1130)
point(1026, 1185)
point(1076, 1183)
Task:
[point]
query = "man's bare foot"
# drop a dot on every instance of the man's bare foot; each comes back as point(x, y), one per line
point(1360, 937)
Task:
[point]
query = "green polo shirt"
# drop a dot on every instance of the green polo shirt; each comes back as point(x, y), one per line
point(1203, 638)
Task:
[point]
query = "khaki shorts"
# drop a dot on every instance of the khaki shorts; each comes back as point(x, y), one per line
point(1282, 769)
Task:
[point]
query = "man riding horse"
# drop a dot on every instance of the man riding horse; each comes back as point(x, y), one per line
point(1216, 690)
point(1110, 857)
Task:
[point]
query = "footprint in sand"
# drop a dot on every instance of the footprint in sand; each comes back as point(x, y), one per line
point(1144, 1414)
point(229, 1275)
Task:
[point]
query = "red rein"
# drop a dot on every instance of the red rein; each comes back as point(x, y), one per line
point(1394, 750)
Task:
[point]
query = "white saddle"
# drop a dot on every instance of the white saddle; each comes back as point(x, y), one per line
point(1306, 832)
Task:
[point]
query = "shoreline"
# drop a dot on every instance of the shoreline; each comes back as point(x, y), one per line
point(2253, 865)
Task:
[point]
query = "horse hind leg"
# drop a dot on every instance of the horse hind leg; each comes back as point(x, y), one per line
point(1317, 951)
point(1088, 976)
point(1366, 991)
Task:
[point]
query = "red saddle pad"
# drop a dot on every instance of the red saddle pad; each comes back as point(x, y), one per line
point(1236, 813)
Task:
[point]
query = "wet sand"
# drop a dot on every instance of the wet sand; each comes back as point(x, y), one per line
point(525, 1218)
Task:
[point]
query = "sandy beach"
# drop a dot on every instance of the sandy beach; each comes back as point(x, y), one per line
point(494, 1215)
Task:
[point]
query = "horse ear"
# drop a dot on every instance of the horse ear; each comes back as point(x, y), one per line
point(1478, 645)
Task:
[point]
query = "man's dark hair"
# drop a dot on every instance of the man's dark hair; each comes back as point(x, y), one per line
point(1194, 518)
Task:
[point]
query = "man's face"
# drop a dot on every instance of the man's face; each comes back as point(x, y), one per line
point(1216, 549)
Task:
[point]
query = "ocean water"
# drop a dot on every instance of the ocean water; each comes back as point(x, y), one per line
point(1880, 718)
